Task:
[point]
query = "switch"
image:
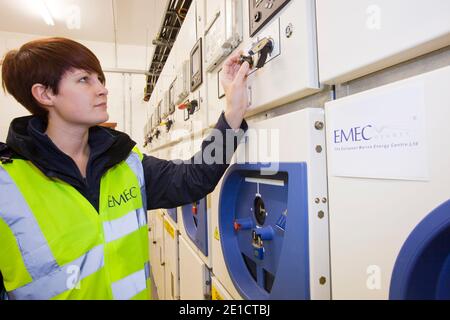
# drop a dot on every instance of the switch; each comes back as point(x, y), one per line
point(264, 48)
point(168, 124)
point(243, 224)
point(259, 210)
point(264, 52)
point(265, 233)
point(182, 106)
point(192, 107)
point(249, 59)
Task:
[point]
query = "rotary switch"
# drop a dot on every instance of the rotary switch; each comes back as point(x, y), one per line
point(190, 106)
point(264, 48)
point(168, 123)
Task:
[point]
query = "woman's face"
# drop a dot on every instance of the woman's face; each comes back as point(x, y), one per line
point(81, 99)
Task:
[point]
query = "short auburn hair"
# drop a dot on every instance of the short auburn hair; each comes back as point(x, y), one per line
point(44, 61)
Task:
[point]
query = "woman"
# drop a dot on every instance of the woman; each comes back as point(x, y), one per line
point(73, 195)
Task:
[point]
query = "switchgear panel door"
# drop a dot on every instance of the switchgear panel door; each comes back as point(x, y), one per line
point(171, 260)
point(194, 274)
point(397, 179)
point(290, 71)
point(358, 37)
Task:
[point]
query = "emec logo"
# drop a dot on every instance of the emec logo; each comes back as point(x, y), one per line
point(355, 134)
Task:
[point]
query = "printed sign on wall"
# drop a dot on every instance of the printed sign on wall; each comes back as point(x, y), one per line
point(380, 134)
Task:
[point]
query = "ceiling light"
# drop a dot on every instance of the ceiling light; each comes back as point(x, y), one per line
point(45, 12)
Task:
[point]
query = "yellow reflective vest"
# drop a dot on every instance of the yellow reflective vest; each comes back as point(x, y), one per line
point(55, 245)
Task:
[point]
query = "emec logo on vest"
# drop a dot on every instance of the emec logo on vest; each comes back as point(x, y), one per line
point(122, 198)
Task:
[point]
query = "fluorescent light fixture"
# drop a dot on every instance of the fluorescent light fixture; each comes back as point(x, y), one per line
point(45, 12)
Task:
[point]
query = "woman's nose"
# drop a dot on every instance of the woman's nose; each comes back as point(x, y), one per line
point(102, 89)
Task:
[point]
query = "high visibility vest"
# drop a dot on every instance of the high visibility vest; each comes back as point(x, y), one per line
point(55, 245)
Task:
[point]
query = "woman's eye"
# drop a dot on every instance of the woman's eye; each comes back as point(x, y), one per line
point(84, 79)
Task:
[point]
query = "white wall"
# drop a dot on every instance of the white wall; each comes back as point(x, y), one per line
point(126, 91)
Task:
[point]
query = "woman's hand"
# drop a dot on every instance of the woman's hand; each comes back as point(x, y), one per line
point(234, 82)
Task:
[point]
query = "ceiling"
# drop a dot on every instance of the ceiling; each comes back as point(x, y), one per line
point(137, 21)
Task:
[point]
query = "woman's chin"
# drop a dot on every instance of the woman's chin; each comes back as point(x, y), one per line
point(102, 119)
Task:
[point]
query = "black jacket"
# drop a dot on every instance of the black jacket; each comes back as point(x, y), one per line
point(168, 184)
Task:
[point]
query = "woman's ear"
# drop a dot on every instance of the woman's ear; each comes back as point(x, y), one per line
point(42, 94)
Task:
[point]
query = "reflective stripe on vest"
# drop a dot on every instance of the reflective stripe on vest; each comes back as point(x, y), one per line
point(134, 161)
point(17, 215)
point(59, 281)
point(50, 279)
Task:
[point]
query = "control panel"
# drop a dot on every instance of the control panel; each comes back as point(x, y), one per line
point(171, 98)
point(262, 11)
point(283, 50)
point(196, 65)
point(182, 85)
point(165, 112)
point(158, 114)
point(269, 217)
point(195, 222)
point(165, 106)
point(223, 32)
point(263, 222)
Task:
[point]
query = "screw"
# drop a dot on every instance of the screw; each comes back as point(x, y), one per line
point(324, 200)
point(318, 125)
point(318, 149)
point(321, 214)
point(322, 280)
point(317, 200)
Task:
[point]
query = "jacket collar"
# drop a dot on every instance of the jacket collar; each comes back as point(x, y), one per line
point(28, 140)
